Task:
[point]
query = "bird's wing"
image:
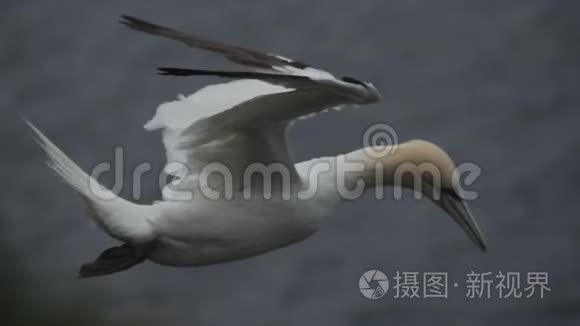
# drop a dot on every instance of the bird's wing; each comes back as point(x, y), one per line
point(271, 68)
point(240, 55)
point(353, 92)
point(243, 122)
point(233, 125)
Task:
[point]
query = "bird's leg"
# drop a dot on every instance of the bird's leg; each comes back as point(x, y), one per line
point(116, 259)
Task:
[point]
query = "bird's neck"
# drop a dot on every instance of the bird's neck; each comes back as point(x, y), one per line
point(334, 180)
point(330, 181)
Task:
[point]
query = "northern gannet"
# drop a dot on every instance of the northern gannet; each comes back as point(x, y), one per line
point(240, 125)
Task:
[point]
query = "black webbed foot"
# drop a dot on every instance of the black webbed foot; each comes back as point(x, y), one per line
point(114, 260)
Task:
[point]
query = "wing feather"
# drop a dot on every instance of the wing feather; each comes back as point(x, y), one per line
point(234, 124)
point(237, 54)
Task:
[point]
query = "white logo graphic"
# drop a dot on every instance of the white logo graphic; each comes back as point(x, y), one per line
point(380, 140)
point(380, 283)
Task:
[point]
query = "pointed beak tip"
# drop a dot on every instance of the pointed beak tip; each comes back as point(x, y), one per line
point(459, 211)
point(484, 249)
point(482, 245)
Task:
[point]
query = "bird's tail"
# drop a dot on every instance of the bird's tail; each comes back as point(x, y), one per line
point(118, 217)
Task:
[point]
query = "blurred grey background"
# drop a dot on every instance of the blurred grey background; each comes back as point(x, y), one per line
point(493, 82)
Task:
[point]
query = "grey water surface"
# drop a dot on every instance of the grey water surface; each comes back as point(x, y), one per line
point(495, 83)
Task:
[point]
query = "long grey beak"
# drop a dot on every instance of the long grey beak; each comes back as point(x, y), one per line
point(457, 208)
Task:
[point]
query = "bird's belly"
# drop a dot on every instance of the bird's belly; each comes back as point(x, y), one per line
point(228, 236)
point(172, 252)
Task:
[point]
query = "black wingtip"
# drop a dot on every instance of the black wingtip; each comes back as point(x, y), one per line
point(127, 20)
point(137, 24)
point(165, 71)
point(168, 71)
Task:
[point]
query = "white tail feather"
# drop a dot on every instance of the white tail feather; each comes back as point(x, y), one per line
point(118, 217)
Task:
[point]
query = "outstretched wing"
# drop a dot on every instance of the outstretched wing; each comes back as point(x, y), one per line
point(268, 67)
point(242, 122)
point(237, 54)
point(235, 124)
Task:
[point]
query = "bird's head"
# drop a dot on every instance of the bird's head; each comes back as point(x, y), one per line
point(426, 168)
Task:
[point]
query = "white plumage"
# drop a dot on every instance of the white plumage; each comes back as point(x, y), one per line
point(238, 125)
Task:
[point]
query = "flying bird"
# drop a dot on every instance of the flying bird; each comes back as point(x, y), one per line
point(216, 139)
